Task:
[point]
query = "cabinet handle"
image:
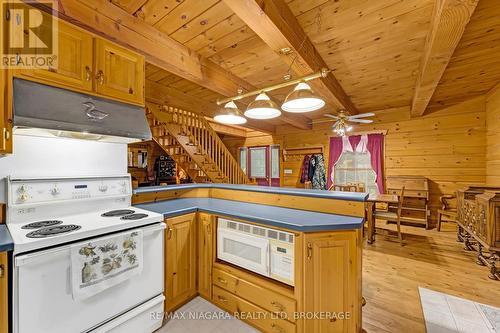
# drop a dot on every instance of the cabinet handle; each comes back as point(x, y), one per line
point(88, 73)
point(222, 299)
point(208, 229)
point(169, 232)
point(278, 328)
point(2, 271)
point(100, 77)
point(278, 306)
point(222, 280)
point(309, 251)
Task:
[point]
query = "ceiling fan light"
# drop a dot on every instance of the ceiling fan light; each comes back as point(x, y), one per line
point(302, 99)
point(230, 115)
point(262, 108)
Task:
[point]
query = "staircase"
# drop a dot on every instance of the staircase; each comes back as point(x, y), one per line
point(188, 138)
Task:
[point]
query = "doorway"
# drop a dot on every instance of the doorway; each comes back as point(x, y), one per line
point(261, 163)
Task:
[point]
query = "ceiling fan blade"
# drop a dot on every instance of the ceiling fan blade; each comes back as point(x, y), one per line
point(330, 116)
point(363, 121)
point(333, 126)
point(362, 115)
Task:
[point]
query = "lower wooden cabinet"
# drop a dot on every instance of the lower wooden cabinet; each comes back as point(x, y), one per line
point(180, 260)
point(251, 313)
point(332, 281)
point(206, 231)
point(4, 292)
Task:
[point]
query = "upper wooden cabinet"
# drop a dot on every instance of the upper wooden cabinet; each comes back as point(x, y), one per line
point(75, 60)
point(180, 260)
point(119, 72)
point(90, 64)
point(5, 115)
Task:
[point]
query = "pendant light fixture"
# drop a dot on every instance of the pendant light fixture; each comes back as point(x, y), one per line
point(230, 114)
point(302, 99)
point(262, 108)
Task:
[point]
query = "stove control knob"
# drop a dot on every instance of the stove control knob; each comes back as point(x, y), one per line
point(103, 188)
point(55, 190)
point(24, 196)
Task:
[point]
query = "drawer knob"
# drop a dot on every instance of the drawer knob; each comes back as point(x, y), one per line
point(278, 306)
point(222, 280)
point(278, 328)
point(222, 299)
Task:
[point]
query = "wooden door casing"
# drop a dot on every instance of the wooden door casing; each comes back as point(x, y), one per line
point(180, 260)
point(119, 73)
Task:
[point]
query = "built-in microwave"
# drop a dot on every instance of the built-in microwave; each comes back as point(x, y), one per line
point(265, 251)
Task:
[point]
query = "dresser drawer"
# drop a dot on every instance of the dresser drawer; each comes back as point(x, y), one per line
point(410, 193)
point(267, 299)
point(256, 316)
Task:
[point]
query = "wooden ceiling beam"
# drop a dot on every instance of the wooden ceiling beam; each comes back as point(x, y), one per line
point(236, 131)
point(448, 24)
point(108, 20)
point(277, 26)
point(161, 94)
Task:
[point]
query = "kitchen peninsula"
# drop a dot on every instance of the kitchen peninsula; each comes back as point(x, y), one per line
point(327, 233)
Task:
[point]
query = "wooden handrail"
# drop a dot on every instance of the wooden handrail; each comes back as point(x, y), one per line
point(222, 165)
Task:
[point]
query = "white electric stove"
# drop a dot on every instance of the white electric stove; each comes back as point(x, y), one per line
point(45, 217)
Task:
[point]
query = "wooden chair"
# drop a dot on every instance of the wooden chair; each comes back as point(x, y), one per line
point(393, 216)
point(448, 210)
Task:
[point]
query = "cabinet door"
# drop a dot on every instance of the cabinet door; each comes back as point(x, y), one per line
point(180, 260)
point(332, 281)
point(119, 72)
point(205, 255)
point(74, 67)
point(4, 315)
point(5, 114)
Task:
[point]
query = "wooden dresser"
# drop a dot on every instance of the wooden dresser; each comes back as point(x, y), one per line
point(478, 218)
point(415, 209)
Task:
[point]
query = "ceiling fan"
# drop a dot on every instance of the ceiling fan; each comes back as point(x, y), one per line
point(343, 119)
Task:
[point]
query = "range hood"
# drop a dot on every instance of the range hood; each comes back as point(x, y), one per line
point(43, 110)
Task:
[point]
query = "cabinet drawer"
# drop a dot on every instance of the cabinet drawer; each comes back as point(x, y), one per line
point(268, 299)
point(251, 313)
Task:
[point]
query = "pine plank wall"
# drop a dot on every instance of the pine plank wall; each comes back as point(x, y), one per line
point(447, 146)
point(493, 136)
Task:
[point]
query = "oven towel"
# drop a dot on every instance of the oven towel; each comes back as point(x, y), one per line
point(102, 263)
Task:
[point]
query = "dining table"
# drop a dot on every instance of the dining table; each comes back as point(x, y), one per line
point(372, 201)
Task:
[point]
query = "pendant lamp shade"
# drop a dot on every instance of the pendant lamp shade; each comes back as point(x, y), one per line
point(302, 99)
point(262, 108)
point(230, 114)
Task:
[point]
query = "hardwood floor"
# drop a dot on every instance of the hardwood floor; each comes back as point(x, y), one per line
point(430, 259)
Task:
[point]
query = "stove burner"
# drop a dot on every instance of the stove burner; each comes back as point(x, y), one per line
point(52, 231)
point(41, 224)
point(134, 216)
point(118, 212)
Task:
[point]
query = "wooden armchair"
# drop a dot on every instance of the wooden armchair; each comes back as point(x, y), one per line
point(393, 215)
point(448, 210)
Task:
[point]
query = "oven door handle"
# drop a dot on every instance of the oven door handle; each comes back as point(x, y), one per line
point(25, 258)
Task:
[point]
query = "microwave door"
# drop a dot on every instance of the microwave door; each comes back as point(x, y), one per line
point(243, 250)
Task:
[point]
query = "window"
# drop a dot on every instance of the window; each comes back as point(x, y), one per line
point(243, 159)
point(258, 160)
point(355, 167)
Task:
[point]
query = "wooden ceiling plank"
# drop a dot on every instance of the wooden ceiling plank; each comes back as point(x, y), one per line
point(154, 10)
point(206, 20)
point(131, 6)
point(183, 14)
point(274, 22)
point(160, 94)
point(450, 18)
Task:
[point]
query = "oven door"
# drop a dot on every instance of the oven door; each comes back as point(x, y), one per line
point(43, 300)
point(243, 250)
